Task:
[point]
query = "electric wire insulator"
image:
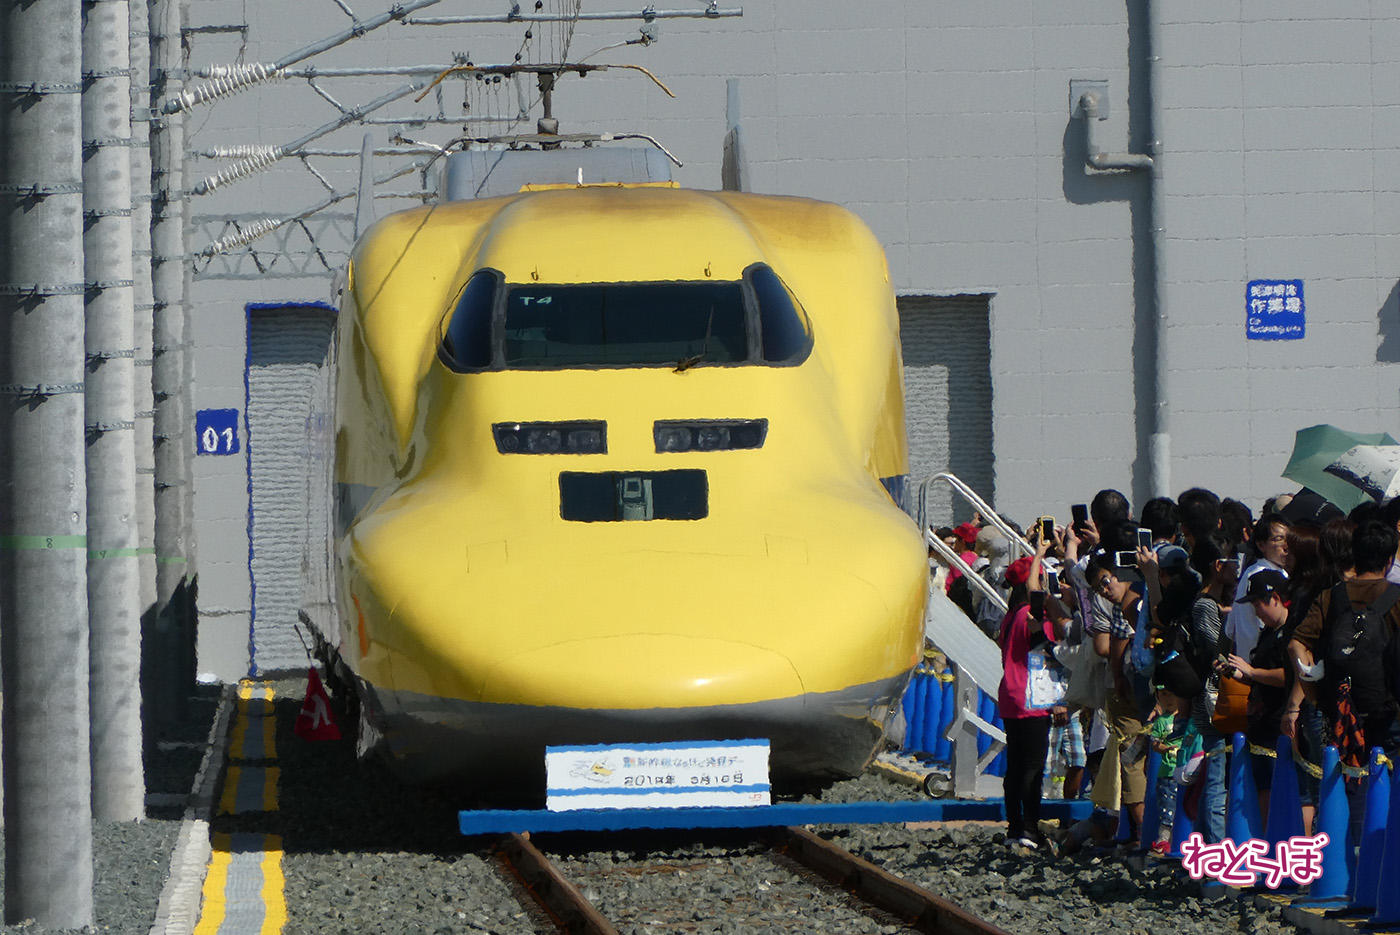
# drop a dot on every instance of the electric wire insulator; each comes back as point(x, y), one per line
point(240, 170)
point(258, 228)
point(242, 151)
point(224, 80)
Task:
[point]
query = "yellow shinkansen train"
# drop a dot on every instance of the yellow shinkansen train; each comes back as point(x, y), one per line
point(619, 464)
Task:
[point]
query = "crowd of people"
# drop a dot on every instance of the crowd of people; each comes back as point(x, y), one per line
point(1174, 631)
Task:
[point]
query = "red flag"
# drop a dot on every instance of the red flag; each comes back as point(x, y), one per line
point(316, 721)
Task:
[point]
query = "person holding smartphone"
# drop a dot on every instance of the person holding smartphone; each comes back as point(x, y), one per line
point(1214, 560)
point(1025, 628)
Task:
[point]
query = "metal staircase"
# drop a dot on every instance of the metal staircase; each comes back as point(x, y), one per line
point(975, 657)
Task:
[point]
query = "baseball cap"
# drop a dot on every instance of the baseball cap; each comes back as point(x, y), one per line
point(1263, 584)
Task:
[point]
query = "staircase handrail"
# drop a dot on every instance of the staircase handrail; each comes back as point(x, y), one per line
point(983, 509)
point(955, 560)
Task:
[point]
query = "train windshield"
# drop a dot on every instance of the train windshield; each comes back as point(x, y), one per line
point(528, 326)
point(625, 324)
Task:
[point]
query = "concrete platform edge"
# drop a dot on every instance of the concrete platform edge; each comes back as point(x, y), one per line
point(178, 910)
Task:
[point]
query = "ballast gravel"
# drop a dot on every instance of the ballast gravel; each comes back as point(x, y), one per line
point(131, 859)
point(725, 883)
point(365, 854)
point(1035, 893)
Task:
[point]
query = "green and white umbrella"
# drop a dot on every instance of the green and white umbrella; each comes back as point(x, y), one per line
point(1319, 447)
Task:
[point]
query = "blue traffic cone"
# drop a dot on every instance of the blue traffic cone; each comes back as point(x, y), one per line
point(913, 713)
point(1367, 878)
point(1285, 809)
point(1242, 818)
point(933, 710)
point(1125, 825)
point(1388, 887)
point(1151, 808)
point(1333, 818)
point(1285, 806)
point(943, 750)
point(1182, 826)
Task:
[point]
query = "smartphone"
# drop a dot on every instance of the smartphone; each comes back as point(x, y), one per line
point(1080, 512)
point(1144, 538)
point(1052, 582)
point(1125, 559)
point(1047, 528)
point(1038, 604)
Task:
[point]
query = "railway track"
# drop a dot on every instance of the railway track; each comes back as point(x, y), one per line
point(787, 879)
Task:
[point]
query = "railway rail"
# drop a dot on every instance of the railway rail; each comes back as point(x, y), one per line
point(786, 861)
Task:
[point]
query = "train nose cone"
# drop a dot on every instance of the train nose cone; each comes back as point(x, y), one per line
point(642, 671)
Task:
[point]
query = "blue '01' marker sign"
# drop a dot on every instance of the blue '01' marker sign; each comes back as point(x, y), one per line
point(216, 431)
point(1274, 310)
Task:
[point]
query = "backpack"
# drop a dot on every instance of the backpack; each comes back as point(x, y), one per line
point(1177, 668)
point(1354, 643)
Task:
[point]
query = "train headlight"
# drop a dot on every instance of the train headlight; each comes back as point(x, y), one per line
point(548, 438)
point(672, 437)
point(709, 434)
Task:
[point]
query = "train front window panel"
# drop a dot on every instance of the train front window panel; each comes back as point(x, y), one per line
point(466, 339)
point(625, 324)
point(785, 333)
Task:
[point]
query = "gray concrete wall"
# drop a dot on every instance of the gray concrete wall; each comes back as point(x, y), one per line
point(946, 126)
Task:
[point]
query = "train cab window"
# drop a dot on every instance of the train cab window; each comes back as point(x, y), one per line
point(786, 337)
point(625, 324)
point(466, 339)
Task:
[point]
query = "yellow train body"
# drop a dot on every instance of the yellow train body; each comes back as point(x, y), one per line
point(481, 624)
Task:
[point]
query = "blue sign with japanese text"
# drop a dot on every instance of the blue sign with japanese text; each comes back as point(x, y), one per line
point(1274, 310)
point(216, 432)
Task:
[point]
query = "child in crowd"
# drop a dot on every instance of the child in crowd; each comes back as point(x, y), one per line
point(1168, 726)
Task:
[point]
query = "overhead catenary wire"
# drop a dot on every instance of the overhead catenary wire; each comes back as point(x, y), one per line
point(486, 18)
point(264, 226)
point(261, 160)
point(184, 101)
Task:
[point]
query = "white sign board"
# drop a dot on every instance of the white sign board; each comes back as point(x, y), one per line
point(657, 775)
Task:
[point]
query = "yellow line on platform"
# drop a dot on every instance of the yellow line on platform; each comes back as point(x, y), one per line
point(271, 775)
point(270, 738)
point(215, 904)
point(228, 798)
point(238, 737)
point(274, 888)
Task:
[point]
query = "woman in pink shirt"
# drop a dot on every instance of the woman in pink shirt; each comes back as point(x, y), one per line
point(1027, 729)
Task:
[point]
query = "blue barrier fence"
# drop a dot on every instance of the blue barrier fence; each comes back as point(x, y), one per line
point(929, 709)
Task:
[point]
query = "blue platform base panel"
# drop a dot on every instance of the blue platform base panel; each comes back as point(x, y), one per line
point(503, 821)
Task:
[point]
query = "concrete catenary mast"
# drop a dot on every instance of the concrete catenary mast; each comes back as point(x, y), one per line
point(114, 618)
point(143, 302)
point(168, 371)
point(43, 490)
